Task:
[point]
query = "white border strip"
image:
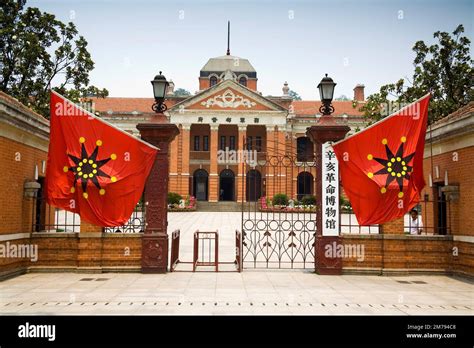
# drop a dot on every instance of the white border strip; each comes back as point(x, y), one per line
point(105, 122)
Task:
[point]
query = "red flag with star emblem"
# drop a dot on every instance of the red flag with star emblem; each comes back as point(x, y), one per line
point(94, 169)
point(382, 166)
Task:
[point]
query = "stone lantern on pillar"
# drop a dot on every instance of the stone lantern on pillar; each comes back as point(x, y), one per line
point(160, 133)
point(326, 131)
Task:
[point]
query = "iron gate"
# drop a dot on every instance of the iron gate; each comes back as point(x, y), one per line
point(278, 233)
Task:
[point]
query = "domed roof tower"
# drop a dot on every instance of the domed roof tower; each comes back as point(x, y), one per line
point(226, 67)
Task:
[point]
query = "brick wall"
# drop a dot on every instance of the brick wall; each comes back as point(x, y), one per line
point(402, 254)
point(17, 165)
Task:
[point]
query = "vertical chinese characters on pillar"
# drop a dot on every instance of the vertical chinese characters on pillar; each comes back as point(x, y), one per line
point(330, 192)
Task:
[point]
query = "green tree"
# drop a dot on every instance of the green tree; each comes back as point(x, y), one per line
point(444, 68)
point(181, 92)
point(342, 97)
point(294, 95)
point(38, 51)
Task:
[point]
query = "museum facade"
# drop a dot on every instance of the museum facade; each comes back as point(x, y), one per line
point(227, 119)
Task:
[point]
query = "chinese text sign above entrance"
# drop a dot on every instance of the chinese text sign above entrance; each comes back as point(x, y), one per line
point(330, 194)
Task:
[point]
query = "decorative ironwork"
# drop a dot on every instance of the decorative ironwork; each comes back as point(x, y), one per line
point(47, 218)
point(159, 107)
point(280, 235)
point(136, 223)
point(326, 109)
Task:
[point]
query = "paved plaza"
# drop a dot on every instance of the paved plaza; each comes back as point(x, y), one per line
point(229, 292)
point(250, 292)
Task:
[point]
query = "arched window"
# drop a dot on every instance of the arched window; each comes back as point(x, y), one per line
point(304, 149)
point(212, 81)
point(243, 81)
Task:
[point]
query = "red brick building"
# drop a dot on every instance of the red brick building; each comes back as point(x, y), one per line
point(445, 247)
point(229, 112)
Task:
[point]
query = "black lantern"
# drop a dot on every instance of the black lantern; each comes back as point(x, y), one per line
point(326, 93)
point(160, 86)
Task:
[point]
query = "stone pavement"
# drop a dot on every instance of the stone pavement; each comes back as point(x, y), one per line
point(250, 292)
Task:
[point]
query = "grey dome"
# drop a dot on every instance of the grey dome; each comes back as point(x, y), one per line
point(223, 63)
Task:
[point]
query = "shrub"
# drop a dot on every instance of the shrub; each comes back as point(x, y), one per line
point(280, 199)
point(308, 200)
point(174, 198)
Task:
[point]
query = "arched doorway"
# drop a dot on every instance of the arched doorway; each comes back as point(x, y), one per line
point(304, 185)
point(253, 185)
point(200, 184)
point(227, 185)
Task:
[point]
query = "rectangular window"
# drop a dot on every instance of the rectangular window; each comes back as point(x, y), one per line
point(196, 143)
point(222, 145)
point(205, 143)
point(232, 142)
point(249, 143)
point(258, 143)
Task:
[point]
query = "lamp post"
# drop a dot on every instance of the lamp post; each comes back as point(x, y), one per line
point(326, 131)
point(160, 133)
point(326, 93)
point(160, 86)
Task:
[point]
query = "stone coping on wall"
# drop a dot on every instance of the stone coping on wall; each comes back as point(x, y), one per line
point(54, 234)
point(122, 235)
point(397, 236)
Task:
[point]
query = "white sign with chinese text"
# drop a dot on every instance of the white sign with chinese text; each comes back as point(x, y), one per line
point(330, 194)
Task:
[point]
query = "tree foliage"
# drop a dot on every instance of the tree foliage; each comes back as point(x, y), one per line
point(38, 51)
point(294, 95)
point(342, 97)
point(181, 92)
point(444, 68)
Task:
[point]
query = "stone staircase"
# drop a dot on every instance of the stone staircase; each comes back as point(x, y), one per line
point(219, 206)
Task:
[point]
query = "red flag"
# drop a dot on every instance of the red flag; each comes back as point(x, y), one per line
point(94, 169)
point(382, 166)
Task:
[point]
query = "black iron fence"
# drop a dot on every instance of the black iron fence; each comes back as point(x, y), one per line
point(136, 223)
point(429, 217)
point(47, 218)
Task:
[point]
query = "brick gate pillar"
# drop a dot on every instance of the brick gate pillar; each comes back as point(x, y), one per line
point(326, 130)
point(155, 238)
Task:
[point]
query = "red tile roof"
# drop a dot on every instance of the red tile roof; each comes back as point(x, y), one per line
point(311, 108)
point(301, 108)
point(127, 105)
point(123, 104)
point(466, 110)
point(13, 101)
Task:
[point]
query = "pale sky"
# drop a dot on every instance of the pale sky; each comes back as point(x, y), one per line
point(364, 41)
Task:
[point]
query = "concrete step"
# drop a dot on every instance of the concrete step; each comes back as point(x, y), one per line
point(218, 206)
